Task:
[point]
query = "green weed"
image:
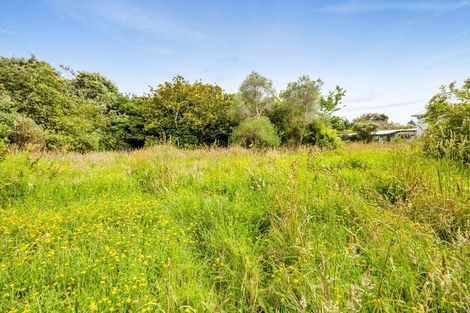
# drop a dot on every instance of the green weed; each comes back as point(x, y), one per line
point(364, 229)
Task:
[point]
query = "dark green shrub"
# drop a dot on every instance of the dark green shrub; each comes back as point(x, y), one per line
point(87, 142)
point(364, 130)
point(339, 123)
point(58, 141)
point(320, 135)
point(256, 132)
point(77, 142)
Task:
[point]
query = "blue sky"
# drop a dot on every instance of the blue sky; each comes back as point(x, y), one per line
point(390, 56)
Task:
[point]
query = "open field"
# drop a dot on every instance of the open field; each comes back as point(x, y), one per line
point(367, 228)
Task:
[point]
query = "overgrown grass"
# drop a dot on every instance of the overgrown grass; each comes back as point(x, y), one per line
point(364, 229)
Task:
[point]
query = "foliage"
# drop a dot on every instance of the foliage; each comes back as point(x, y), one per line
point(37, 91)
point(339, 123)
point(364, 130)
point(448, 119)
point(5, 100)
point(126, 125)
point(382, 121)
point(369, 229)
point(35, 88)
point(298, 106)
point(331, 103)
point(303, 96)
point(94, 86)
point(87, 112)
point(84, 111)
point(255, 132)
point(319, 134)
point(302, 110)
point(21, 131)
point(188, 114)
point(256, 96)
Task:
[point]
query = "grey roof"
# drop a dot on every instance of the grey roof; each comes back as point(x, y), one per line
point(386, 132)
point(393, 131)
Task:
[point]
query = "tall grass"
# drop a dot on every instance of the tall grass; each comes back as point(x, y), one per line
point(364, 229)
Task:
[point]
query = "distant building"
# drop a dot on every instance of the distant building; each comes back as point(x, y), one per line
point(421, 124)
point(385, 135)
point(389, 134)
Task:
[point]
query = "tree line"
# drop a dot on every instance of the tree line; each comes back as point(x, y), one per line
point(47, 108)
point(83, 111)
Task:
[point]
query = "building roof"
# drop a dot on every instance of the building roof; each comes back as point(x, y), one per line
point(393, 131)
point(386, 132)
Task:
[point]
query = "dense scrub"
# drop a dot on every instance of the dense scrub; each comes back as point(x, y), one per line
point(448, 121)
point(229, 230)
point(44, 108)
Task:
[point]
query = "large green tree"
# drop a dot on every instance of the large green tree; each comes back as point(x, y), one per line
point(39, 92)
point(256, 96)
point(297, 108)
point(36, 89)
point(82, 113)
point(188, 114)
point(119, 120)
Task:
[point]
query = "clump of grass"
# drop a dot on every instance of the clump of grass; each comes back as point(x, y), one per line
point(370, 228)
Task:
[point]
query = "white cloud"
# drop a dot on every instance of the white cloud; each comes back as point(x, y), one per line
point(355, 6)
point(126, 14)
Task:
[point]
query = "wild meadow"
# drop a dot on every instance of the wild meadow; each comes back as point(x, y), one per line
point(366, 228)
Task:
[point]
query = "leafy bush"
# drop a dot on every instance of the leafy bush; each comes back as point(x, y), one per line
point(183, 137)
point(256, 132)
point(21, 131)
point(89, 141)
point(339, 123)
point(5, 129)
point(364, 130)
point(448, 119)
point(320, 135)
point(77, 142)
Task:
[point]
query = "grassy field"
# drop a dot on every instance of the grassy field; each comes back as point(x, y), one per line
point(363, 229)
